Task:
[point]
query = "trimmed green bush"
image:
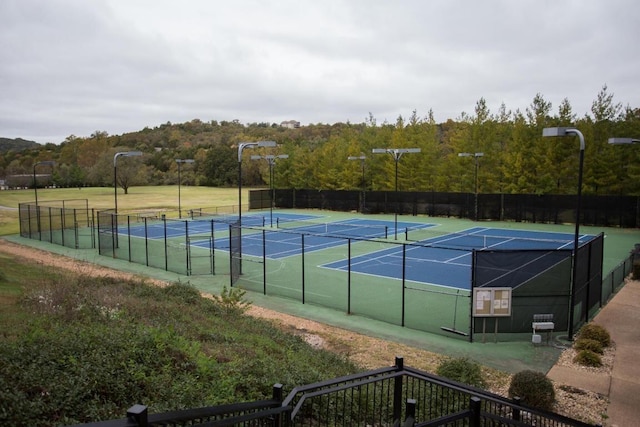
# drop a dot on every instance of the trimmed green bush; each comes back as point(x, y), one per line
point(534, 389)
point(588, 358)
point(595, 332)
point(462, 370)
point(588, 344)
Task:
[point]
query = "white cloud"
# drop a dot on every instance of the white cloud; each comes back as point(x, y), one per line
point(76, 66)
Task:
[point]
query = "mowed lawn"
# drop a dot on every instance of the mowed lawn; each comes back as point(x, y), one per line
point(138, 198)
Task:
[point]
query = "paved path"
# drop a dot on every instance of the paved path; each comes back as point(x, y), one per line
point(621, 317)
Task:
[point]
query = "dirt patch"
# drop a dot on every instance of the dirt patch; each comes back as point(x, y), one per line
point(368, 352)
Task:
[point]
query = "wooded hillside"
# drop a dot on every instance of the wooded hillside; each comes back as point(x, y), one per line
point(516, 158)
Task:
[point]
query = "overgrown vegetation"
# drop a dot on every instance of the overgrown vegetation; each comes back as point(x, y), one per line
point(76, 349)
point(534, 389)
point(463, 370)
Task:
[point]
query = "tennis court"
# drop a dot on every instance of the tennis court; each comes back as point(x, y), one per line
point(160, 229)
point(419, 275)
point(286, 241)
point(424, 255)
point(446, 260)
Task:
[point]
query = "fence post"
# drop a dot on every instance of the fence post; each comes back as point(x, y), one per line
point(397, 391)
point(516, 411)
point(474, 409)
point(138, 414)
point(277, 395)
point(348, 276)
point(410, 418)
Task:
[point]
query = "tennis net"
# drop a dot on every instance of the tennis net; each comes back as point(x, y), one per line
point(247, 220)
point(339, 229)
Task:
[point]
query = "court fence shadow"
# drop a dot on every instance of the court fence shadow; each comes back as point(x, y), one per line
point(391, 396)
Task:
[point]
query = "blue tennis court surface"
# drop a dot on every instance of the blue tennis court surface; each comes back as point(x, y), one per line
point(282, 243)
point(446, 260)
point(178, 228)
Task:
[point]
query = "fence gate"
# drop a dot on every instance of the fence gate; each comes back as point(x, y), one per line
point(107, 233)
point(235, 251)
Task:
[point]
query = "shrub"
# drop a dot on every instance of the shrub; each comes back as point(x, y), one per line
point(595, 332)
point(635, 273)
point(462, 370)
point(588, 344)
point(588, 358)
point(534, 389)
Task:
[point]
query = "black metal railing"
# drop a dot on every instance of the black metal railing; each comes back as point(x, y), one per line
point(392, 396)
point(259, 413)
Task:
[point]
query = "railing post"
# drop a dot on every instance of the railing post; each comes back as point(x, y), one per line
point(138, 414)
point(410, 418)
point(516, 411)
point(397, 391)
point(474, 408)
point(277, 394)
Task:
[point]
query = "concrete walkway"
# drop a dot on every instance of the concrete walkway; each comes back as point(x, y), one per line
point(621, 317)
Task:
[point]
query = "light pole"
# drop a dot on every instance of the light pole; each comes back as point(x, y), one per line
point(476, 159)
point(241, 147)
point(566, 131)
point(396, 153)
point(115, 173)
point(35, 182)
point(180, 162)
point(362, 158)
point(271, 159)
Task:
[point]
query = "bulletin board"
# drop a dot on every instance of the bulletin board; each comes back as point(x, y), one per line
point(491, 302)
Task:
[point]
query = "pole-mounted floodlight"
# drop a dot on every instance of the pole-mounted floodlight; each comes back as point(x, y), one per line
point(115, 173)
point(35, 182)
point(567, 131)
point(362, 159)
point(241, 147)
point(622, 141)
point(396, 153)
point(271, 159)
point(180, 162)
point(476, 159)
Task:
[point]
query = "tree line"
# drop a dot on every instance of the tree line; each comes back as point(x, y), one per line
point(516, 158)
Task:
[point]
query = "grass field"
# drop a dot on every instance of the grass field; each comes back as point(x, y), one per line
point(138, 198)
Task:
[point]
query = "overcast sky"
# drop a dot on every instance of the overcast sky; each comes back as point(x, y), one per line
point(73, 67)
